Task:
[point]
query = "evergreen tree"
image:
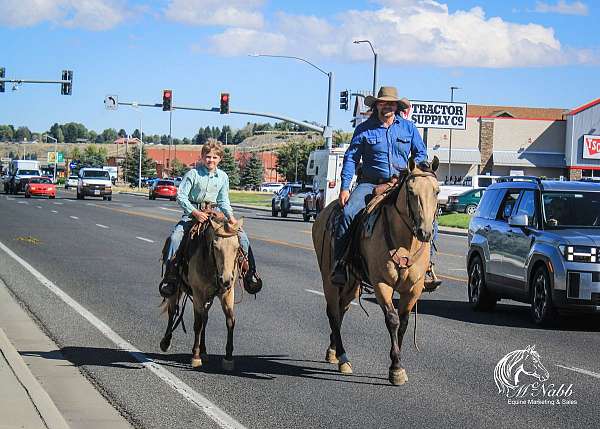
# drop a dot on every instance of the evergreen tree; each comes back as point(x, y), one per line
point(253, 172)
point(109, 135)
point(230, 166)
point(122, 133)
point(94, 156)
point(136, 134)
point(292, 160)
point(132, 164)
point(178, 168)
point(164, 139)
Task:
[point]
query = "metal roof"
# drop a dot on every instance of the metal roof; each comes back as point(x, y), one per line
point(529, 159)
point(459, 156)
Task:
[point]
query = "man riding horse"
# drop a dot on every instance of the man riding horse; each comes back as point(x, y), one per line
point(384, 143)
point(203, 187)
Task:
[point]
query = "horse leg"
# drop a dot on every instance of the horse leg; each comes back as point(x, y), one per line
point(203, 354)
point(199, 317)
point(227, 302)
point(384, 293)
point(336, 352)
point(405, 305)
point(170, 303)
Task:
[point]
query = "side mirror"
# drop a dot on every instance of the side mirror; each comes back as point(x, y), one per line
point(518, 220)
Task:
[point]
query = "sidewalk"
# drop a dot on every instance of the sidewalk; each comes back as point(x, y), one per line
point(37, 392)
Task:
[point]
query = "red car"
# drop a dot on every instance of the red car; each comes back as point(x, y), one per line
point(40, 186)
point(163, 189)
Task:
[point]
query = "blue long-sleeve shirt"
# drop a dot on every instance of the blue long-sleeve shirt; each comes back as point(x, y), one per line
point(384, 151)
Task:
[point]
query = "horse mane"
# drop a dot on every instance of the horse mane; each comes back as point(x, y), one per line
point(504, 371)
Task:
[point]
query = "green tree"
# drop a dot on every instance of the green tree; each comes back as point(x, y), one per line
point(164, 139)
point(122, 133)
point(186, 141)
point(136, 134)
point(229, 165)
point(341, 137)
point(109, 135)
point(292, 160)
point(253, 172)
point(22, 134)
point(75, 153)
point(6, 133)
point(94, 156)
point(178, 168)
point(60, 136)
point(132, 162)
point(57, 133)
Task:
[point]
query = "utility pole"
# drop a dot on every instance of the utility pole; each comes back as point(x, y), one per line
point(452, 89)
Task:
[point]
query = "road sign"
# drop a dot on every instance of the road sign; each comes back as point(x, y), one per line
point(72, 165)
point(111, 102)
point(59, 155)
point(4, 159)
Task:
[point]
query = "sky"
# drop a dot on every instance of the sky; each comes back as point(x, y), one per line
point(516, 53)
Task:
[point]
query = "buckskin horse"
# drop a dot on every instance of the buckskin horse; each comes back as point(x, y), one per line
point(405, 226)
point(211, 252)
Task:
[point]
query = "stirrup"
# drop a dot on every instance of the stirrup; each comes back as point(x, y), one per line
point(432, 284)
point(339, 275)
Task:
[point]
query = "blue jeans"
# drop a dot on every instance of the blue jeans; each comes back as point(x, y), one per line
point(355, 204)
point(185, 224)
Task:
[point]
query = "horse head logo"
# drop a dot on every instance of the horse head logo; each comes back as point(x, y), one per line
point(515, 364)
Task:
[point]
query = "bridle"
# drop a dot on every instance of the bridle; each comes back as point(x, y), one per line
point(409, 207)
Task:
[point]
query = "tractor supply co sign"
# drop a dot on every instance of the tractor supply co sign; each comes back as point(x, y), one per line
point(438, 114)
point(591, 147)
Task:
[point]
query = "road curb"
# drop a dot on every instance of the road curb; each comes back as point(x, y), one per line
point(52, 418)
point(452, 231)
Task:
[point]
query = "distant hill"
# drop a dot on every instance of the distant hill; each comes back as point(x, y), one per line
point(262, 142)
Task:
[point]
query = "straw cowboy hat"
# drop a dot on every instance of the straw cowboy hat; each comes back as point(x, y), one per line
point(387, 93)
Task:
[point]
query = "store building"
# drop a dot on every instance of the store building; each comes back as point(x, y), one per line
point(582, 146)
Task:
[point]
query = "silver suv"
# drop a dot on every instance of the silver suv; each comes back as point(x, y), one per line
point(538, 242)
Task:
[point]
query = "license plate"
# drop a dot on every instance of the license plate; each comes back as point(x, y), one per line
point(96, 192)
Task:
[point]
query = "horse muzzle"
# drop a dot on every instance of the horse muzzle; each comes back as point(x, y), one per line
point(423, 235)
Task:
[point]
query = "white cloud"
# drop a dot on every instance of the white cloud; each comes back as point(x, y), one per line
point(562, 7)
point(407, 32)
point(232, 13)
point(88, 14)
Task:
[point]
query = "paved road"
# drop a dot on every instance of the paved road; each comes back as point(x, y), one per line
point(104, 255)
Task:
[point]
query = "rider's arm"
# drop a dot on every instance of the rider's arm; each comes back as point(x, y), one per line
point(223, 197)
point(417, 148)
point(183, 192)
point(351, 159)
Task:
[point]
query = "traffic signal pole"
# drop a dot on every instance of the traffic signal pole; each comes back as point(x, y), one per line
point(65, 83)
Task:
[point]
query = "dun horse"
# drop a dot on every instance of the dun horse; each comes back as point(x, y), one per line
point(405, 226)
point(212, 271)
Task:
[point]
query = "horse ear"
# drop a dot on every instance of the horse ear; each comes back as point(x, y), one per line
point(411, 164)
point(435, 163)
point(240, 223)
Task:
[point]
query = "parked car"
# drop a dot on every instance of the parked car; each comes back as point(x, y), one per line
point(71, 182)
point(538, 242)
point(465, 202)
point(94, 182)
point(177, 181)
point(40, 187)
point(163, 189)
point(290, 199)
point(271, 187)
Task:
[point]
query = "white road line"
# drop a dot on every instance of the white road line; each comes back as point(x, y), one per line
point(22, 202)
point(101, 226)
point(59, 204)
point(90, 204)
point(579, 370)
point(171, 210)
point(73, 217)
point(39, 207)
point(316, 292)
point(145, 239)
point(223, 419)
point(457, 269)
point(53, 211)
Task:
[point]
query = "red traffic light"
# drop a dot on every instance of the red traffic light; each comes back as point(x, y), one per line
point(224, 108)
point(224, 97)
point(167, 94)
point(167, 100)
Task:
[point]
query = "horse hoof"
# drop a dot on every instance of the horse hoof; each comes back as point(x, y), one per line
point(330, 356)
point(398, 376)
point(345, 368)
point(196, 363)
point(165, 344)
point(227, 364)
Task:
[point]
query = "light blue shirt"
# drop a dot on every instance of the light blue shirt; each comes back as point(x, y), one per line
point(384, 151)
point(199, 185)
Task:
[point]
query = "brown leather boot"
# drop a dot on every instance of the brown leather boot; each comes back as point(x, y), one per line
point(432, 282)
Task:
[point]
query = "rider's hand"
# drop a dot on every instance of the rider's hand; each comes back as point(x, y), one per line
point(343, 198)
point(200, 216)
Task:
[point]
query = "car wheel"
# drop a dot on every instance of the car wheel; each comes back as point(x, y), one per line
point(480, 298)
point(173, 199)
point(52, 197)
point(542, 309)
point(109, 198)
point(274, 212)
point(306, 217)
point(27, 195)
point(470, 209)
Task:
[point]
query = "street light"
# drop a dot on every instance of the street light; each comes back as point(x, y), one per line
point(452, 89)
point(329, 75)
point(374, 63)
point(135, 106)
point(55, 153)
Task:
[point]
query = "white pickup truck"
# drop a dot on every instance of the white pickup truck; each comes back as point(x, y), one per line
point(94, 182)
point(469, 182)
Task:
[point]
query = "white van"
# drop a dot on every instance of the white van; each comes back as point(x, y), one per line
point(479, 181)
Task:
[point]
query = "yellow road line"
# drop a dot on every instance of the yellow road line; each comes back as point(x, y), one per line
point(456, 279)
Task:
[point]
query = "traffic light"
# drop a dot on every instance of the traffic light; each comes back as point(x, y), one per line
point(66, 87)
point(2, 71)
point(167, 100)
point(344, 100)
point(224, 103)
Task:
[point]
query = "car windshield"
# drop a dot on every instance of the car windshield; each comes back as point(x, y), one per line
point(165, 183)
point(571, 209)
point(40, 180)
point(96, 174)
point(72, 177)
point(29, 172)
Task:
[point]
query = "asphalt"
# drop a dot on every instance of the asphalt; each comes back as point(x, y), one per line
point(95, 302)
